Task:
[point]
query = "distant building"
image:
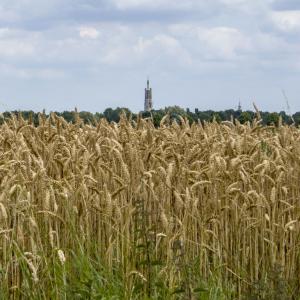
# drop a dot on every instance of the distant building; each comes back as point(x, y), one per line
point(148, 105)
point(240, 107)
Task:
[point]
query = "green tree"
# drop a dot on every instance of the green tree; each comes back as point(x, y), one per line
point(244, 117)
point(272, 118)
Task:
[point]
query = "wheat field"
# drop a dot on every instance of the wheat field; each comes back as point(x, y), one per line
point(130, 211)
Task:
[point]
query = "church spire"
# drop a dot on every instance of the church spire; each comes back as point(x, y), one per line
point(148, 98)
point(239, 106)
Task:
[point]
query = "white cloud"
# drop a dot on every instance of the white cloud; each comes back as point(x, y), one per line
point(211, 43)
point(7, 70)
point(18, 45)
point(7, 15)
point(162, 47)
point(191, 5)
point(156, 4)
point(182, 45)
point(223, 42)
point(133, 47)
point(15, 48)
point(88, 32)
point(286, 21)
point(247, 3)
point(4, 32)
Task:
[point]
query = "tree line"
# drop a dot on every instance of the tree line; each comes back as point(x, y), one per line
point(175, 113)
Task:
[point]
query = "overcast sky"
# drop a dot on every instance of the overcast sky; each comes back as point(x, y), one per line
point(94, 54)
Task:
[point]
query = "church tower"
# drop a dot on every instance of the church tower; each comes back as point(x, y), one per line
point(148, 106)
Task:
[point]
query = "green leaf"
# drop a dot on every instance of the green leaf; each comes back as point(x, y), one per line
point(178, 291)
point(156, 263)
point(144, 262)
point(200, 290)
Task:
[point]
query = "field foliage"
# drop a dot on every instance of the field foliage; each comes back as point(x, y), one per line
point(130, 211)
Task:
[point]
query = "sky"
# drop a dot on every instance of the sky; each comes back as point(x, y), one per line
point(95, 54)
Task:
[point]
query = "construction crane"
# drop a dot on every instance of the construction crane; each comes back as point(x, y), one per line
point(288, 108)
